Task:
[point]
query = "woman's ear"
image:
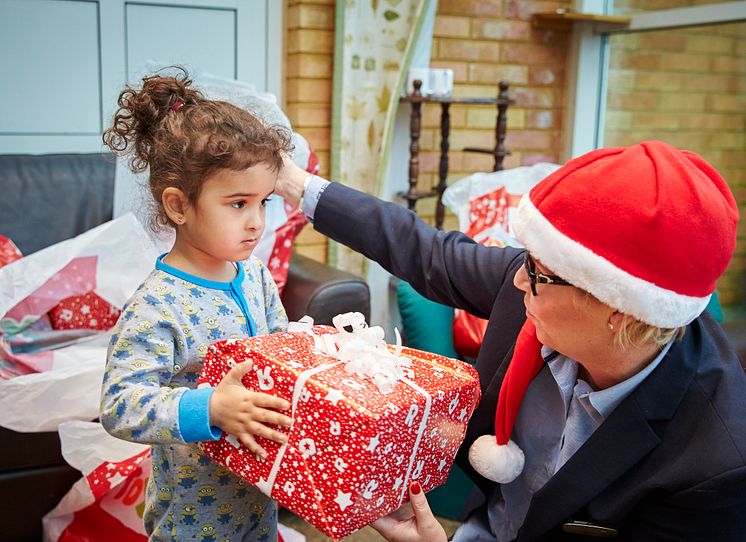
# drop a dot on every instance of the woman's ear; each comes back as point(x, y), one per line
point(617, 319)
point(175, 204)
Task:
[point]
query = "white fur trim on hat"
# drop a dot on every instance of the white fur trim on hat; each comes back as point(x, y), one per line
point(587, 270)
point(501, 463)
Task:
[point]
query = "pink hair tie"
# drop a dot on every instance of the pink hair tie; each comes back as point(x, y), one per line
point(177, 105)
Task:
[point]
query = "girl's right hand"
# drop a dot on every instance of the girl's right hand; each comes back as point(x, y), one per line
point(247, 414)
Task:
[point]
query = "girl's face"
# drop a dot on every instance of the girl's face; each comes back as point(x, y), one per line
point(228, 219)
point(567, 319)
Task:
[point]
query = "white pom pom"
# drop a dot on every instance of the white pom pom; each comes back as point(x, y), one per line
point(499, 463)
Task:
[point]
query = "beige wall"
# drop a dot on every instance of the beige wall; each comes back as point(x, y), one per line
point(484, 42)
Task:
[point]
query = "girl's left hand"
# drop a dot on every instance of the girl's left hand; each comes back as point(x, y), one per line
point(247, 414)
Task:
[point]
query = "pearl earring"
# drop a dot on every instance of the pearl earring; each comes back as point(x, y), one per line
point(611, 326)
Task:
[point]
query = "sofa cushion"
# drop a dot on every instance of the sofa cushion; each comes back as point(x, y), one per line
point(50, 198)
point(427, 325)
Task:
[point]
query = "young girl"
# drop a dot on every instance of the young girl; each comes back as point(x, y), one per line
point(213, 168)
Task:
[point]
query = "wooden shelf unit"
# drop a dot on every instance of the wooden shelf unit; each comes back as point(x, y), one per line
point(412, 195)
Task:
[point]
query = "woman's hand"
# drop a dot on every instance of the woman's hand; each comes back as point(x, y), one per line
point(244, 413)
point(413, 522)
point(290, 181)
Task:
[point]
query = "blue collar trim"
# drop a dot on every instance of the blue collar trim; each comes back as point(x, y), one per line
point(194, 279)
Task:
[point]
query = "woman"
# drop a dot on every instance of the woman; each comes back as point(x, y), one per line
point(611, 406)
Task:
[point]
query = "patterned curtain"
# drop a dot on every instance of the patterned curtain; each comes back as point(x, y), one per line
point(374, 44)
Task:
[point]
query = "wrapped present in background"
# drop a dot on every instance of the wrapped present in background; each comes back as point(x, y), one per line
point(368, 419)
point(105, 265)
point(86, 311)
point(8, 251)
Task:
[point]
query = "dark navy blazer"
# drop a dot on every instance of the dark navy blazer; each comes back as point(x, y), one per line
point(669, 463)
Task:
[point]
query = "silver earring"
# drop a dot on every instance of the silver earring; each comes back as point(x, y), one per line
point(611, 326)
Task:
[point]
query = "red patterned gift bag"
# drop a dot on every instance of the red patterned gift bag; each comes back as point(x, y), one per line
point(368, 419)
point(107, 503)
point(485, 204)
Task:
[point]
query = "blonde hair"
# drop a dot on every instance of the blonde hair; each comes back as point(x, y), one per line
point(635, 334)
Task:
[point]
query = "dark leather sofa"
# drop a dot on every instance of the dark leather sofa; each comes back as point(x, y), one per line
point(45, 199)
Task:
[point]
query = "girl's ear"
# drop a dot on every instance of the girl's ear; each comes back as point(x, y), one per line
point(175, 204)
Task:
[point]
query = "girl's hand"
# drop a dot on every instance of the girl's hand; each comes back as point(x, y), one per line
point(290, 181)
point(413, 522)
point(244, 413)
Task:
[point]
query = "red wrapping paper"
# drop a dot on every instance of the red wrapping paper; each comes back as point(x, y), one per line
point(85, 311)
point(352, 451)
point(8, 251)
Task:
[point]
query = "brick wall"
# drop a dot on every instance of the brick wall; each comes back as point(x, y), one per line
point(483, 42)
point(309, 57)
point(686, 87)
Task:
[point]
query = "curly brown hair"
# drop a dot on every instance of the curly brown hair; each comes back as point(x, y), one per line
point(183, 138)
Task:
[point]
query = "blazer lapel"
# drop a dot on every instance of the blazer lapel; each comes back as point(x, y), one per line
point(599, 462)
point(616, 446)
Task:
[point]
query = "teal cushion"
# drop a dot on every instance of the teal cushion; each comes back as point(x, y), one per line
point(714, 307)
point(427, 325)
point(447, 500)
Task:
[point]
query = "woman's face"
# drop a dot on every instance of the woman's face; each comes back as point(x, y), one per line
point(567, 319)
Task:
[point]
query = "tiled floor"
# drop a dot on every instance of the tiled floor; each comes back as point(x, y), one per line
point(366, 534)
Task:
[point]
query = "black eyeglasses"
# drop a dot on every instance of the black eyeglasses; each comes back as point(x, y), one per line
point(540, 278)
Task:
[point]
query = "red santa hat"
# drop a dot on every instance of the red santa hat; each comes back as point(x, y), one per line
point(646, 229)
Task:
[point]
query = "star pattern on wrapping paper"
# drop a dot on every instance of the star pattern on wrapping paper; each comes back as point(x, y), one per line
point(334, 396)
point(373, 443)
point(338, 436)
point(343, 499)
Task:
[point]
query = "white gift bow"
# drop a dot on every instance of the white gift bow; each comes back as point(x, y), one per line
point(363, 350)
point(367, 343)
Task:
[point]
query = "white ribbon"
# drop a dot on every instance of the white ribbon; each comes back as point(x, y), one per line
point(420, 432)
point(365, 353)
point(266, 485)
point(363, 350)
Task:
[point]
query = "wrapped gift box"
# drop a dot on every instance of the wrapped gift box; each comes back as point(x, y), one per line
point(8, 251)
point(352, 450)
point(85, 311)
